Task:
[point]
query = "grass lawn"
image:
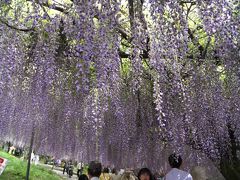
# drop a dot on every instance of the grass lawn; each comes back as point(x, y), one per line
point(16, 170)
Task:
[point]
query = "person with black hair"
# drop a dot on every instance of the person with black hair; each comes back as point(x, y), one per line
point(94, 170)
point(105, 175)
point(70, 168)
point(82, 177)
point(114, 171)
point(175, 162)
point(64, 167)
point(114, 174)
point(128, 175)
point(106, 170)
point(145, 174)
point(79, 169)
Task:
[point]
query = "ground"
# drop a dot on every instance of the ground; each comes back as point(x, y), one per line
point(16, 170)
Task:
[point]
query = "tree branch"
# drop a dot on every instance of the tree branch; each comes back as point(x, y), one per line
point(16, 28)
point(200, 47)
point(206, 48)
point(122, 33)
point(187, 2)
point(123, 54)
point(54, 7)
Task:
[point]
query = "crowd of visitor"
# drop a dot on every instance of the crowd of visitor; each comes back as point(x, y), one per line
point(68, 168)
point(96, 172)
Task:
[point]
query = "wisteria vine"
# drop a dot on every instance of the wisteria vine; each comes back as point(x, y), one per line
point(121, 81)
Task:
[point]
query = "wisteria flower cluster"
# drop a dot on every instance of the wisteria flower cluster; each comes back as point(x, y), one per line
point(121, 81)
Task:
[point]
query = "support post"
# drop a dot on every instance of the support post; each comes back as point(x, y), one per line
point(29, 155)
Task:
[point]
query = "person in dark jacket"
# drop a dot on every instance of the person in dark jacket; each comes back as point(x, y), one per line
point(83, 177)
point(64, 167)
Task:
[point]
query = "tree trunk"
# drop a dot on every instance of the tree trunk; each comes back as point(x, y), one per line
point(230, 164)
point(29, 155)
point(229, 170)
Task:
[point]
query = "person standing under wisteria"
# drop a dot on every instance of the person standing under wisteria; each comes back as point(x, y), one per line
point(128, 175)
point(199, 173)
point(145, 174)
point(105, 174)
point(94, 170)
point(175, 162)
point(114, 174)
point(79, 168)
point(64, 167)
point(83, 177)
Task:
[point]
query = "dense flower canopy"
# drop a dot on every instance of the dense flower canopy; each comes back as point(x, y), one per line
point(120, 80)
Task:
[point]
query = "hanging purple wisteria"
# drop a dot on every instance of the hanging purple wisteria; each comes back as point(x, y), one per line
point(121, 80)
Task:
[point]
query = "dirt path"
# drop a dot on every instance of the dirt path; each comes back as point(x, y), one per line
point(59, 171)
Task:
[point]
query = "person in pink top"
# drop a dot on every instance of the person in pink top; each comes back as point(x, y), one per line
point(176, 173)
